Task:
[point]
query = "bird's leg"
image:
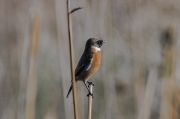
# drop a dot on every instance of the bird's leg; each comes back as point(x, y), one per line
point(90, 83)
point(88, 90)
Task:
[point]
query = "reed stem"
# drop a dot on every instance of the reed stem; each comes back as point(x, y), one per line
point(32, 72)
point(90, 102)
point(69, 17)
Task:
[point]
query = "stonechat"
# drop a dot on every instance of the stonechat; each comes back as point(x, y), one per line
point(89, 62)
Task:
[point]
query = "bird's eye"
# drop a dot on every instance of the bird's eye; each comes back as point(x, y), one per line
point(99, 42)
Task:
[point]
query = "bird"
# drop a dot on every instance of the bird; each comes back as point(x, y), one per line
point(88, 63)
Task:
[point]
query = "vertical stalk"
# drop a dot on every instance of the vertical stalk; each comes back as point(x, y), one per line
point(168, 110)
point(90, 102)
point(23, 74)
point(147, 101)
point(32, 72)
point(69, 17)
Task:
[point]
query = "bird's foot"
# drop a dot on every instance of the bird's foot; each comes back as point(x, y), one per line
point(90, 94)
point(90, 83)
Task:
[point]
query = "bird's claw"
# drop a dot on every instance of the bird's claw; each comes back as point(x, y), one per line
point(90, 83)
point(90, 94)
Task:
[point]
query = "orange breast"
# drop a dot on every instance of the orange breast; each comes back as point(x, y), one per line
point(96, 61)
point(94, 64)
point(93, 68)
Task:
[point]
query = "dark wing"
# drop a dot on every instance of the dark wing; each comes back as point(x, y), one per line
point(84, 63)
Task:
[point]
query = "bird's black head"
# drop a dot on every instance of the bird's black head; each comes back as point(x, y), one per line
point(95, 42)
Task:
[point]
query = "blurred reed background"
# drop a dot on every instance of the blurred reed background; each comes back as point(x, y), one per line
point(139, 74)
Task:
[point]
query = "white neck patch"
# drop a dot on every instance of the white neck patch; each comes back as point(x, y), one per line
point(96, 48)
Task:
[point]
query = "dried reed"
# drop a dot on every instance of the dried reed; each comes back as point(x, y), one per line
point(168, 109)
point(149, 95)
point(32, 76)
point(69, 17)
point(23, 75)
point(90, 102)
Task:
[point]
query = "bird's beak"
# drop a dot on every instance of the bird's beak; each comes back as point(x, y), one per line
point(104, 41)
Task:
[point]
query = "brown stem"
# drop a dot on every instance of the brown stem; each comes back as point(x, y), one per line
point(69, 17)
point(32, 72)
point(90, 102)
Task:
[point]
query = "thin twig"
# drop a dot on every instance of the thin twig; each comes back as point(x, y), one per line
point(32, 72)
point(90, 102)
point(75, 9)
point(69, 17)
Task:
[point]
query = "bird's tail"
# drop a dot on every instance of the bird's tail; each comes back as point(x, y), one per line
point(69, 91)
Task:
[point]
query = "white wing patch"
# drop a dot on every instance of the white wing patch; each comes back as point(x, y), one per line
point(89, 66)
point(96, 48)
